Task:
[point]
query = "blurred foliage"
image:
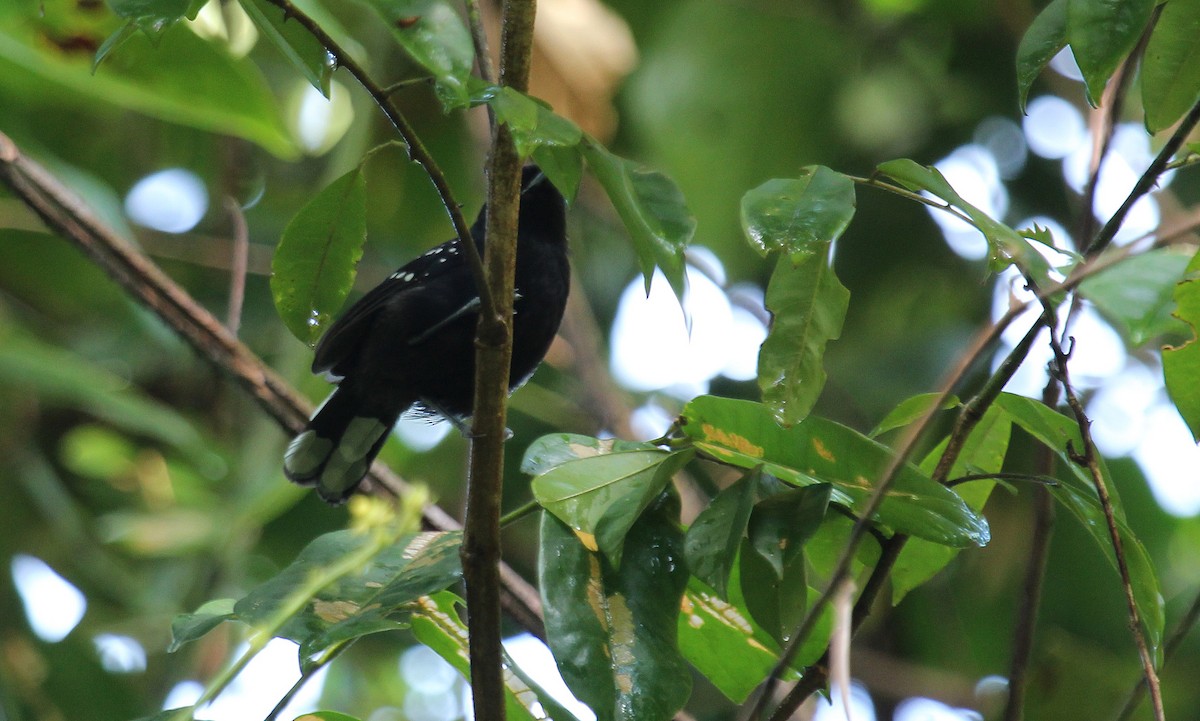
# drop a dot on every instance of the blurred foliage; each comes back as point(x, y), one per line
point(153, 484)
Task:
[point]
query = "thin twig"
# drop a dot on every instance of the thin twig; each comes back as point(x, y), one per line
point(239, 258)
point(416, 149)
point(1088, 459)
point(1104, 120)
point(1035, 576)
point(1169, 648)
point(1038, 479)
point(1145, 183)
point(483, 54)
point(1030, 601)
point(910, 195)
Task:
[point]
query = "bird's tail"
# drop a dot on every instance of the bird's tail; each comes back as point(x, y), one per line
point(336, 450)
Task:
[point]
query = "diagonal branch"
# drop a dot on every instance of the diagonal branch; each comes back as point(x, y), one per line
point(148, 285)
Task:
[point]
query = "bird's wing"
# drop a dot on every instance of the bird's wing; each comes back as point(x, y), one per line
point(411, 280)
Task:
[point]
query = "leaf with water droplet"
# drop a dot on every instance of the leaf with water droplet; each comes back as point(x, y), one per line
point(315, 263)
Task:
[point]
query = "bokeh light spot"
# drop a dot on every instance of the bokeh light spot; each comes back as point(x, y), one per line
point(171, 201)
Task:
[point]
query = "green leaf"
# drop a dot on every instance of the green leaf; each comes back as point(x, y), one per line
point(910, 410)
point(799, 216)
point(436, 624)
point(532, 123)
point(983, 452)
point(563, 165)
point(190, 626)
point(1170, 74)
point(112, 42)
point(653, 210)
point(712, 541)
point(152, 17)
point(776, 602)
point(816, 450)
point(1181, 364)
point(601, 496)
point(315, 263)
point(1006, 245)
point(1045, 37)
point(808, 306)
point(192, 82)
point(296, 43)
point(614, 632)
point(1101, 33)
point(433, 35)
point(555, 449)
point(718, 638)
point(1076, 491)
point(360, 602)
point(1136, 295)
point(326, 716)
point(781, 524)
point(772, 564)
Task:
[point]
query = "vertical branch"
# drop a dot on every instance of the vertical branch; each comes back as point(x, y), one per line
point(239, 256)
point(483, 54)
point(481, 542)
point(1035, 575)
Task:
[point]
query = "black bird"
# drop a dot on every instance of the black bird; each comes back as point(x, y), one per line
point(409, 343)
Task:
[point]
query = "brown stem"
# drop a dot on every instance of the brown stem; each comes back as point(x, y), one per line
point(493, 351)
point(1172, 645)
point(1147, 182)
point(1089, 460)
point(239, 259)
point(1035, 576)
